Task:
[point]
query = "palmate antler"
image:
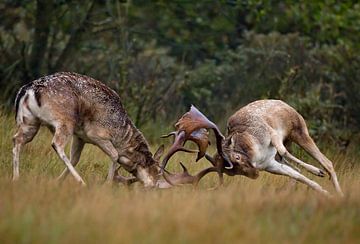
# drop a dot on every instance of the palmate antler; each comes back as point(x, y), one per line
point(193, 126)
point(185, 177)
point(127, 181)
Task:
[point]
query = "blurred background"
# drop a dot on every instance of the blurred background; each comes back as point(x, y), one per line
point(162, 56)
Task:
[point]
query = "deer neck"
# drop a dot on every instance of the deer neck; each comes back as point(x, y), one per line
point(132, 145)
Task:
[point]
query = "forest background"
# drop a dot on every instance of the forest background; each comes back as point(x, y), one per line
point(162, 56)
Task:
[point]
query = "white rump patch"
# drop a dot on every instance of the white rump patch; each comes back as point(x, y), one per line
point(27, 111)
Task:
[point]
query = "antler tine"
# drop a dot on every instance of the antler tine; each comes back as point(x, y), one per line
point(125, 180)
point(186, 178)
point(179, 141)
point(122, 179)
point(204, 172)
point(168, 135)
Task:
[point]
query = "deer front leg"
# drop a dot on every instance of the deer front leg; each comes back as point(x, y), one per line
point(112, 170)
point(111, 151)
point(282, 169)
point(277, 143)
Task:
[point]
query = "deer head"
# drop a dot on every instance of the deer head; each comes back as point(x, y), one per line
point(235, 146)
point(193, 126)
point(159, 178)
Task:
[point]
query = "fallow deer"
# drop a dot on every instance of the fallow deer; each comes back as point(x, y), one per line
point(257, 134)
point(77, 106)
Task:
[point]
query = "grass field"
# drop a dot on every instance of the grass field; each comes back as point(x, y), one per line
point(37, 209)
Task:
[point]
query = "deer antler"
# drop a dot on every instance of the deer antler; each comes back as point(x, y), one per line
point(123, 179)
point(193, 126)
point(200, 137)
point(185, 177)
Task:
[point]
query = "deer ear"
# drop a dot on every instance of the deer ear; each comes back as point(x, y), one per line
point(159, 153)
point(232, 142)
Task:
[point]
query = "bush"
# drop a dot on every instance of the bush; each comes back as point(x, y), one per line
point(321, 82)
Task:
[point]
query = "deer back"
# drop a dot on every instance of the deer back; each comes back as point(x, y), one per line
point(87, 107)
point(262, 117)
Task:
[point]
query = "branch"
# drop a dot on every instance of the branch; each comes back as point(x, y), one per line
point(75, 38)
point(42, 28)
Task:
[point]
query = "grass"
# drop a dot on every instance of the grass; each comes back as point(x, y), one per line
point(37, 209)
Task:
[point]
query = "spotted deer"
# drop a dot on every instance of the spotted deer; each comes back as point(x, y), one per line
point(79, 107)
point(258, 138)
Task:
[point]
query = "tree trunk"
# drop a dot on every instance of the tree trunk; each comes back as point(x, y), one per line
point(42, 29)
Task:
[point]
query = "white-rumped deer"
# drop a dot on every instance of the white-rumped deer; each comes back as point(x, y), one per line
point(257, 134)
point(73, 105)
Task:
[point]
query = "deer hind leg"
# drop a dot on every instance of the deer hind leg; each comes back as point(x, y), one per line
point(277, 143)
point(306, 142)
point(282, 169)
point(77, 146)
point(60, 139)
point(24, 134)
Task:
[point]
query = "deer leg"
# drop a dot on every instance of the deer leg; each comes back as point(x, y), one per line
point(277, 143)
point(282, 169)
point(111, 151)
point(111, 172)
point(77, 146)
point(287, 144)
point(283, 160)
point(305, 141)
point(59, 141)
point(312, 169)
point(24, 134)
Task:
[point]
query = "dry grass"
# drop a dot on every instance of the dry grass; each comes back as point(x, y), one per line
point(37, 209)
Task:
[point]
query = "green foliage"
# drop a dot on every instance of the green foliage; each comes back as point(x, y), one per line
point(150, 88)
point(163, 56)
point(315, 80)
point(328, 21)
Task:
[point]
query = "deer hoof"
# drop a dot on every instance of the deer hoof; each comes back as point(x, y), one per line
point(321, 173)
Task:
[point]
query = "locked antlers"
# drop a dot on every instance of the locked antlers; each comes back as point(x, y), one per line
point(193, 126)
point(185, 177)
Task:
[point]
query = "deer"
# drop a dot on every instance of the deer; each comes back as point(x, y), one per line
point(259, 138)
point(84, 109)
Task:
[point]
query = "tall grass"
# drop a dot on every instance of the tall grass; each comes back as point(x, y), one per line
point(37, 209)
